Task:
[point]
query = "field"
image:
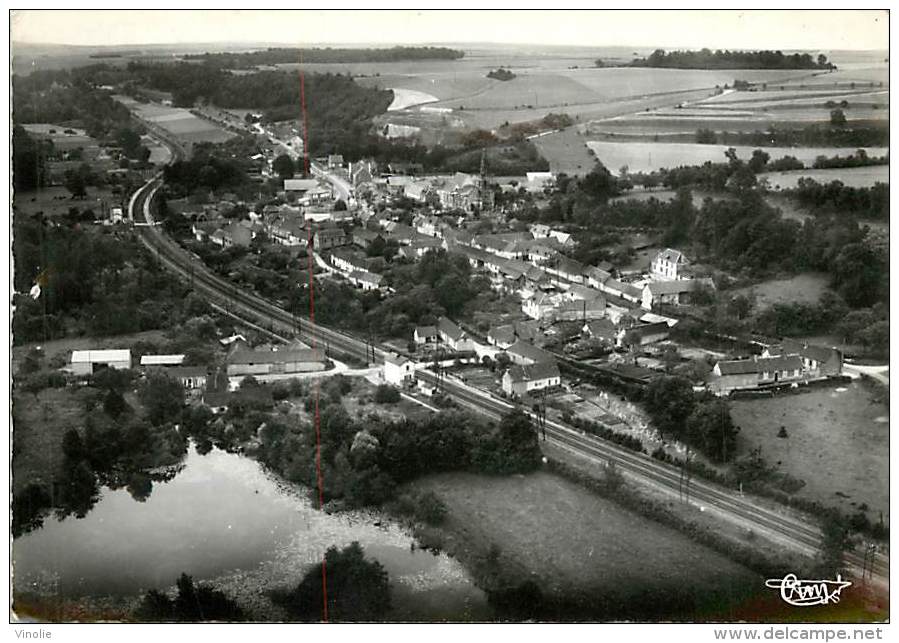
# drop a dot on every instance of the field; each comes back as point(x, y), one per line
point(40, 422)
point(785, 102)
point(55, 201)
point(646, 157)
point(570, 540)
point(559, 81)
point(838, 442)
point(176, 121)
point(803, 288)
point(856, 177)
point(566, 152)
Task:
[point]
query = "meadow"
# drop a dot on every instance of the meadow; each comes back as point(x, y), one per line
point(838, 442)
point(647, 156)
point(177, 121)
point(570, 540)
point(856, 177)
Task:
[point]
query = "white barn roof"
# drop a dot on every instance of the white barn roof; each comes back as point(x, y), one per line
point(162, 360)
point(111, 355)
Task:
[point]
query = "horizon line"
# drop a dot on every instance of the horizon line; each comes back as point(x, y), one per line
point(375, 45)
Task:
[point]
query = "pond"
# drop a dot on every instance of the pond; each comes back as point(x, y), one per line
point(224, 517)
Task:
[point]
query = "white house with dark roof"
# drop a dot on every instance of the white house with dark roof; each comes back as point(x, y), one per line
point(520, 380)
point(398, 370)
point(425, 335)
point(453, 336)
point(669, 291)
point(668, 265)
point(756, 372)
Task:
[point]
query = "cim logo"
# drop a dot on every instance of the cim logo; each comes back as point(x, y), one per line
point(805, 593)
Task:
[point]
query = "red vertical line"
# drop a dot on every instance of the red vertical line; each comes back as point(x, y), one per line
point(310, 250)
point(305, 119)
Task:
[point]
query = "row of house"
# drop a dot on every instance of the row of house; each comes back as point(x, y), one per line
point(357, 268)
point(787, 363)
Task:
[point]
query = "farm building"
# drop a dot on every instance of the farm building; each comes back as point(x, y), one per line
point(757, 372)
point(521, 380)
point(620, 289)
point(162, 360)
point(326, 238)
point(581, 310)
point(299, 185)
point(644, 334)
point(817, 361)
point(672, 292)
point(91, 361)
point(365, 280)
point(259, 362)
point(192, 378)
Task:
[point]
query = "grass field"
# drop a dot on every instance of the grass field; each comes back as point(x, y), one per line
point(177, 121)
point(39, 423)
point(645, 157)
point(570, 540)
point(566, 152)
point(856, 177)
point(56, 201)
point(802, 288)
point(838, 442)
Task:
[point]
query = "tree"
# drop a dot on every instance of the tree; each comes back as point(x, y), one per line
point(599, 183)
point(711, 430)
point(340, 205)
point(193, 603)
point(837, 118)
point(518, 443)
point(758, 161)
point(76, 184)
point(670, 401)
point(163, 397)
point(358, 589)
point(860, 274)
point(284, 167)
point(706, 137)
point(114, 404)
point(386, 394)
point(72, 446)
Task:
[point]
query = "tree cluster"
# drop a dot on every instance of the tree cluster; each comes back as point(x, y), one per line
point(725, 59)
point(697, 419)
point(283, 55)
point(358, 589)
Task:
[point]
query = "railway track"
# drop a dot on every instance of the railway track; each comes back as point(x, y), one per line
point(262, 312)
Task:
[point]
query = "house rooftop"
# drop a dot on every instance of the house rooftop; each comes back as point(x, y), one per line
point(450, 328)
point(533, 372)
point(242, 356)
point(529, 351)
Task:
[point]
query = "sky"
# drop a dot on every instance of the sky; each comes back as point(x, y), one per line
point(732, 29)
